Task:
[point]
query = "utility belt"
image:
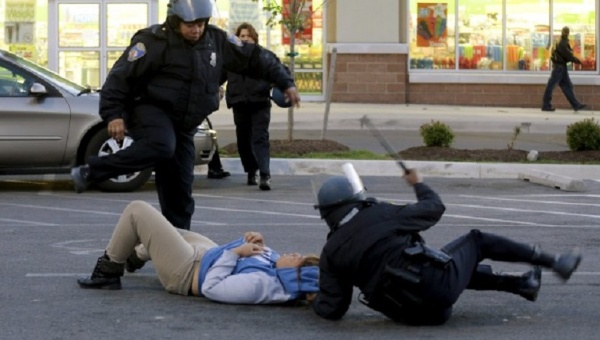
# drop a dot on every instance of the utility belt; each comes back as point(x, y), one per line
point(399, 284)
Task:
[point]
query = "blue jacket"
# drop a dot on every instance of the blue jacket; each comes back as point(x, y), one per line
point(226, 277)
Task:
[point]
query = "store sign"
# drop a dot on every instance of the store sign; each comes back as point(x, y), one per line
point(305, 12)
point(19, 11)
point(431, 24)
point(244, 11)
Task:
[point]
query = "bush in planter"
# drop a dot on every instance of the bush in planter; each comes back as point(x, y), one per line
point(437, 133)
point(584, 135)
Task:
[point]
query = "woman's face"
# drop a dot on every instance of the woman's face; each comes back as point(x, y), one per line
point(289, 261)
point(245, 36)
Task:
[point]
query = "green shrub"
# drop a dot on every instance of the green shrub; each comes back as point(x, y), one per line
point(584, 135)
point(437, 134)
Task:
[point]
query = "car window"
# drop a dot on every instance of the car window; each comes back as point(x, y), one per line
point(12, 84)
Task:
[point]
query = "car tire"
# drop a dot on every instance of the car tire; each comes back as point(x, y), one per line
point(100, 144)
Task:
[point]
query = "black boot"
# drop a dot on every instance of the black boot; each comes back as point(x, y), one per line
point(563, 264)
point(134, 263)
point(566, 264)
point(106, 275)
point(530, 284)
point(527, 285)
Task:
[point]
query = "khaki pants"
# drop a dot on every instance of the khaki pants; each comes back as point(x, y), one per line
point(174, 252)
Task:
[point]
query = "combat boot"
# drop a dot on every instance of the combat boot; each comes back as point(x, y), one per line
point(527, 285)
point(566, 264)
point(106, 275)
point(530, 284)
point(563, 264)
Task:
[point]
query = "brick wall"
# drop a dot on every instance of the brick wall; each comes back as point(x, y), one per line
point(382, 78)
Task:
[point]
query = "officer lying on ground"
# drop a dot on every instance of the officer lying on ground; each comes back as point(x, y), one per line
point(376, 247)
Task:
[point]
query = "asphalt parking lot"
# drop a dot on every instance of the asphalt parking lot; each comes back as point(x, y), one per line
point(50, 236)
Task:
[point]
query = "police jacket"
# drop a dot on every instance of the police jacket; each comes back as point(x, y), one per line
point(563, 54)
point(356, 253)
point(242, 89)
point(161, 68)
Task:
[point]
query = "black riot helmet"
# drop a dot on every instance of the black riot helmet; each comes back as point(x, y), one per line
point(190, 10)
point(338, 191)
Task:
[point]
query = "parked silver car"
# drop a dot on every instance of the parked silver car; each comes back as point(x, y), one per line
point(49, 124)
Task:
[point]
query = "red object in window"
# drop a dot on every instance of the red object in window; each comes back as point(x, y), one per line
point(306, 34)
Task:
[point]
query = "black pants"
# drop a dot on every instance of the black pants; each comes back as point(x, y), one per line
point(441, 287)
point(158, 144)
point(252, 132)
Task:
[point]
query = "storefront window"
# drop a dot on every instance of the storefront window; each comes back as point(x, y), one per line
point(80, 25)
point(24, 28)
point(432, 43)
point(82, 66)
point(499, 35)
point(123, 21)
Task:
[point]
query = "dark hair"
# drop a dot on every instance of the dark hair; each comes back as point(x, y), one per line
point(251, 31)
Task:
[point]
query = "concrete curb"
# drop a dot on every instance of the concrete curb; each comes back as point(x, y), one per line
point(552, 180)
point(283, 166)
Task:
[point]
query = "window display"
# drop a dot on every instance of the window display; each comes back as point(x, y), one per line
point(499, 35)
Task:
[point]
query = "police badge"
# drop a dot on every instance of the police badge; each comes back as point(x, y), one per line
point(136, 52)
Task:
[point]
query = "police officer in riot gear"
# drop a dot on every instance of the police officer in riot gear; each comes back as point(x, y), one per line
point(162, 87)
point(376, 246)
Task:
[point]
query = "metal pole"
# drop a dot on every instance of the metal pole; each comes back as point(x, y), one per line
point(329, 90)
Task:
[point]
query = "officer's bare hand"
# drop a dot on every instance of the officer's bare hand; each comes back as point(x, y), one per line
point(248, 249)
point(254, 237)
point(116, 129)
point(292, 95)
point(413, 177)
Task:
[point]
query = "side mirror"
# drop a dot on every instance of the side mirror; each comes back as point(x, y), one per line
point(38, 90)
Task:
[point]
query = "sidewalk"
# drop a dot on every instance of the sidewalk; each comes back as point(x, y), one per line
point(475, 127)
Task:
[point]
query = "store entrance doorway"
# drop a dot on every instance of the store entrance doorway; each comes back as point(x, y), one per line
point(86, 37)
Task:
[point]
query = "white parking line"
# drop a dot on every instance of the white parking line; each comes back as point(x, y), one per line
point(473, 206)
point(29, 206)
point(28, 222)
point(529, 201)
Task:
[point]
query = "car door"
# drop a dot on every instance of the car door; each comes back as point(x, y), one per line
point(33, 129)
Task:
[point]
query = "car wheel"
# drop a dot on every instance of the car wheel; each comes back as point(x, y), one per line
point(102, 145)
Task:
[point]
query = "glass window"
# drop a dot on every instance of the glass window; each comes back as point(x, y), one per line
point(527, 35)
point(12, 84)
point(123, 20)
point(82, 67)
point(80, 25)
point(432, 40)
point(509, 35)
point(480, 35)
point(24, 28)
point(580, 17)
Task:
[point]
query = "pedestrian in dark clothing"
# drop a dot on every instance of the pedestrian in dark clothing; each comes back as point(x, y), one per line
point(377, 247)
point(251, 105)
point(562, 54)
point(162, 87)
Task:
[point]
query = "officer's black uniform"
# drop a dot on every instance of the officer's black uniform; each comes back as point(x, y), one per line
point(379, 250)
point(164, 89)
point(251, 105)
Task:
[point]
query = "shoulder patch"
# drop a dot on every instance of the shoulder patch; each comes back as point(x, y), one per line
point(234, 39)
point(136, 52)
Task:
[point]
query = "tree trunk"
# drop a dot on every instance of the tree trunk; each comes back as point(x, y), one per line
point(292, 68)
